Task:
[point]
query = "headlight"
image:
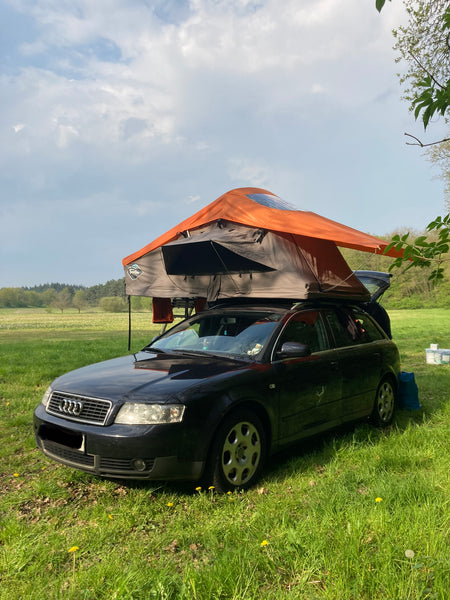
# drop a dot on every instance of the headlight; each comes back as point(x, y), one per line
point(46, 397)
point(134, 413)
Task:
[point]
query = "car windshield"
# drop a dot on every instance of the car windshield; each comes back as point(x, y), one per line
point(239, 335)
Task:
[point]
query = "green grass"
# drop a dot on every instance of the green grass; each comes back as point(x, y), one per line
point(331, 519)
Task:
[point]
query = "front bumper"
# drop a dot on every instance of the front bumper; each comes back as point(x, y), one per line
point(124, 452)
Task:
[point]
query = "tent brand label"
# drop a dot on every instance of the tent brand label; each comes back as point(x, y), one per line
point(134, 271)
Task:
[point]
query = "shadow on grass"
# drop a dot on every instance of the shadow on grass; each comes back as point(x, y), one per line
point(320, 450)
point(316, 451)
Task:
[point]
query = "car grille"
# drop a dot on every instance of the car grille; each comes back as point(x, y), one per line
point(74, 457)
point(94, 411)
point(89, 462)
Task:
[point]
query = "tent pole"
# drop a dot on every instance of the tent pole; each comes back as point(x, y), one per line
point(129, 323)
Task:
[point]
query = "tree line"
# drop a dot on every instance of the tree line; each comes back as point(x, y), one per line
point(410, 288)
point(109, 296)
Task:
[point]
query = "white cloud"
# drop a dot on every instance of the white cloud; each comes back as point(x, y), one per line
point(243, 172)
point(264, 55)
point(132, 114)
point(65, 134)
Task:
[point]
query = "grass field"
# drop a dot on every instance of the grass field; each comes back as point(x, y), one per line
point(357, 514)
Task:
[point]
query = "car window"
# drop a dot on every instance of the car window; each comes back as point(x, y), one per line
point(369, 331)
point(306, 328)
point(352, 326)
point(344, 329)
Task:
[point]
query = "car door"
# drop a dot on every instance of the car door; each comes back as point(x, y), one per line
point(309, 387)
point(359, 355)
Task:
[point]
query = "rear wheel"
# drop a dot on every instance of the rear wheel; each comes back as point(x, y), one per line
point(238, 453)
point(384, 407)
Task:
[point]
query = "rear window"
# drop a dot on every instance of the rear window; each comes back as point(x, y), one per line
point(351, 326)
point(369, 332)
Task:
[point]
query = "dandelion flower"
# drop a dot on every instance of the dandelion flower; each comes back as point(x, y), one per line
point(110, 517)
point(264, 543)
point(211, 487)
point(378, 499)
point(170, 504)
point(198, 489)
point(16, 474)
point(73, 549)
point(410, 553)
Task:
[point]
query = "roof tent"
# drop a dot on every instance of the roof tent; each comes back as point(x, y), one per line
point(250, 243)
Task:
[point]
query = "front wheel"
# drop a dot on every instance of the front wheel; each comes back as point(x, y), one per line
point(384, 407)
point(238, 453)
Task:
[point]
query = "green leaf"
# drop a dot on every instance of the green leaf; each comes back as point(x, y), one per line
point(446, 24)
point(407, 252)
point(389, 247)
point(435, 224)
point(421, 241)
point(427, 114)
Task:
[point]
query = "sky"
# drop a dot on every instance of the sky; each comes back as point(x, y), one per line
point(121, 118)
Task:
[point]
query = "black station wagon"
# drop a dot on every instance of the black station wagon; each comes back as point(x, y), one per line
point(211, 398)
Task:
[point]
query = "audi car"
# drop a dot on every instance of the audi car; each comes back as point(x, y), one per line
point(213, 397)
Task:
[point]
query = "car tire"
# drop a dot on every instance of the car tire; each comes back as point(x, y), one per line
point(385, 402)
point(238, 453)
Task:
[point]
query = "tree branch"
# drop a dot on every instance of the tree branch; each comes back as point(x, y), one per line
point(421, 144)
point(427, 72)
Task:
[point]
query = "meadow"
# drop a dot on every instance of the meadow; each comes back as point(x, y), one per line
point(357, 514)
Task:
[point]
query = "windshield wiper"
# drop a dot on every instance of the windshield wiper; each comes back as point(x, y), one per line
point(193, 352)
point(154, 349)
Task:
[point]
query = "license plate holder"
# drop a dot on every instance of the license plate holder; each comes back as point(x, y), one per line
point(63, 437)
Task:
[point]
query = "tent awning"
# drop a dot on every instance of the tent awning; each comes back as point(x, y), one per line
point(260, 208)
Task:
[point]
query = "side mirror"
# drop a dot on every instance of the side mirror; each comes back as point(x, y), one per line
point(293, 350)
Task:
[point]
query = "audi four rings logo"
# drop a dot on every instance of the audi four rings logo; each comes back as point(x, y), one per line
point(71, 407)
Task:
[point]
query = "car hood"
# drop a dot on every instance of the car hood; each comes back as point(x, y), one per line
point(145, 375)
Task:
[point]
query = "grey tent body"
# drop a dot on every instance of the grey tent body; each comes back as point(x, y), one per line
point(224, 259)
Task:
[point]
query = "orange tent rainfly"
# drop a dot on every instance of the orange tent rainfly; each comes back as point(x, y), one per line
point(250, 243)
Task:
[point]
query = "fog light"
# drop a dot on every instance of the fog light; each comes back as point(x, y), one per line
point(138, 464)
